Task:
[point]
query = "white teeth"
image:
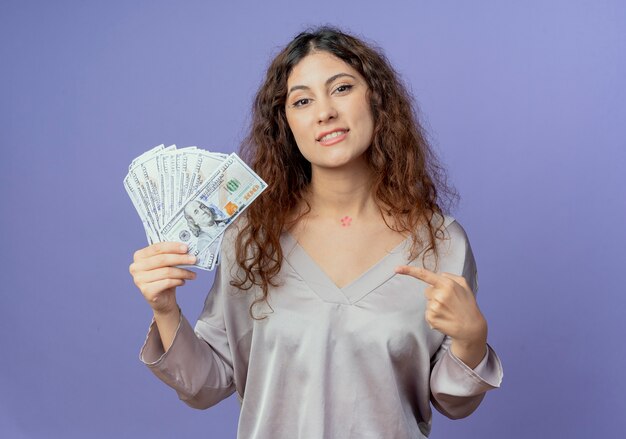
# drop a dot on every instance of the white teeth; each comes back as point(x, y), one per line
point(331, 135)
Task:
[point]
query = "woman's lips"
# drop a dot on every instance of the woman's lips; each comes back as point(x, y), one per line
point(332, 140)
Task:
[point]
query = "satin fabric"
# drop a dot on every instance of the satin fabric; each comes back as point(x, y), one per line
point(327, 362)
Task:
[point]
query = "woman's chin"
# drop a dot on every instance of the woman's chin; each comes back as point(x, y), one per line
point(341, 162)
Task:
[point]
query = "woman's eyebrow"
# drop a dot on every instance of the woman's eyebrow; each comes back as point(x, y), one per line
point(328, 81)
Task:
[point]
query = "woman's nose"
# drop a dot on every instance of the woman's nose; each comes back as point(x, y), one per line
point(327, 110)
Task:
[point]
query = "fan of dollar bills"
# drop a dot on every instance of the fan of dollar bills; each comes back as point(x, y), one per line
point(190, 195)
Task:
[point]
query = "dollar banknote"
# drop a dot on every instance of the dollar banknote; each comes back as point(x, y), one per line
point(218, 202)
point(190, 195)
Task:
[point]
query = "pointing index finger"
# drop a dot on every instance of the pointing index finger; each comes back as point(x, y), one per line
point(420, 273)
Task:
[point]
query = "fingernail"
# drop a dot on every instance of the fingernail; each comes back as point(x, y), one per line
point(183, 248)
point(192, 259)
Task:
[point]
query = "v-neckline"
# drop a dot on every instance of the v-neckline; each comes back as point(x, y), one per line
point(317, 279)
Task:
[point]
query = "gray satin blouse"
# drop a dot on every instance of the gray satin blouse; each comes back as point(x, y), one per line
point(327, 362)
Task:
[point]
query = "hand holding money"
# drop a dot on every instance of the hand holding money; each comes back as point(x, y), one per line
point(155, 273)
point(190, 196)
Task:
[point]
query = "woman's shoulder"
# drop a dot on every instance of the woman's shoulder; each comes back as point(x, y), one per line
point(454, 247)
point(451, 237)
point(228, 247)
point(453, 230)
point(230, 234)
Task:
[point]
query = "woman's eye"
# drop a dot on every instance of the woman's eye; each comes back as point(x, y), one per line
point(343, 88)
point(301, 102)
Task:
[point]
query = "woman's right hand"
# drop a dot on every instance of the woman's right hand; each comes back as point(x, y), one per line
point(155, 273)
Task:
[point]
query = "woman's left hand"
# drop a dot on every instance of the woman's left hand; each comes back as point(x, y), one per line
point(452, 310)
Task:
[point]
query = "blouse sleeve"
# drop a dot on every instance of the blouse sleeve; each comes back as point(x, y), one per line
point(198, 365)
point(456, 389)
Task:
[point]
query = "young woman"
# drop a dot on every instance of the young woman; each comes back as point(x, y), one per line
point(344, 303)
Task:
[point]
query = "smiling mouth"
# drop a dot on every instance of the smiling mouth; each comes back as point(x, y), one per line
point(332, 135)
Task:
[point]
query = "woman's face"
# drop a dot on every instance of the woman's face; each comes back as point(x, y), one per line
point(328, 111)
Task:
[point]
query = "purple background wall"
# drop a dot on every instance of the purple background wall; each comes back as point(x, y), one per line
point(524, 100)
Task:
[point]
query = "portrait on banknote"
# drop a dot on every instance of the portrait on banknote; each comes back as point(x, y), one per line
point(201, 219)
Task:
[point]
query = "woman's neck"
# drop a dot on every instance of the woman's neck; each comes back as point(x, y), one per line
point(337, 193)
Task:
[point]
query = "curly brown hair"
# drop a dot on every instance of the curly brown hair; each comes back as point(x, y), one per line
point(409, 183)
